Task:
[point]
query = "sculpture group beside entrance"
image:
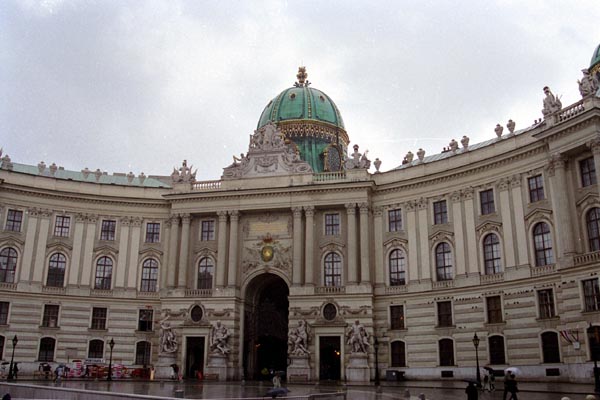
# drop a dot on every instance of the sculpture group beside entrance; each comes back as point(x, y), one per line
point(358, 338)
point(219, 338)
point(298, 339)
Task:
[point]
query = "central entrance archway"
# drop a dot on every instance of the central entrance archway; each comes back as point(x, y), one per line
point(265, 326)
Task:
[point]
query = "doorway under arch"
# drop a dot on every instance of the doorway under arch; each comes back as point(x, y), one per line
point(265, 326)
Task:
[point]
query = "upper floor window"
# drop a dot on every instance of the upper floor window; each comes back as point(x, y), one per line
point(443, 261)
point(546, 303)
point(205, 273)
point(440, 212)
point(591, 295)
point(395, 220)
point(149, 275)
point(108, 229)
point(332, 224)
point(50, 317)
point(207, 230)
point(550, 347)
point(47, 345)
point(8, 265)
point(398, 354)
point(56, 270)
point(588, 172)
point(4, 306)
point(536, 188)
point(99, 315)
point(152, 232)
point(145, 320)
point(491, 254)
point(497, 353)
point(103, 273)
point(486, 200)
point(592, 220)
point(142, 353)
point(494, 309)
point(446, 349)
point(96, 349)
point(62, 224)
point(542, 245)
point(444, 313)
point(333, 270)
point(14, 220)
point(397, 263)
point(397, 317)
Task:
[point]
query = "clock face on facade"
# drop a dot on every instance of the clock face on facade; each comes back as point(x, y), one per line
point(267, 253)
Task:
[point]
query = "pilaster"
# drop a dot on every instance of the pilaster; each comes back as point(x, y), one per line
point(297, 246)
point(42, 240)
point(309, 212)
point(365, 240)
point(26, 264)
point(352, 267)
point(507, 222)
point(378, 236)
point(184, 250)
point(221, 248)
point(423, 223)
point(134, 251)
point(123, 250)
point(234, 217)
point(459, 244)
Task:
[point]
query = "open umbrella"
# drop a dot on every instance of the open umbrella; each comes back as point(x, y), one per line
point(471, 380)
point(489, 369)
point(513, 370)
point(274, 392)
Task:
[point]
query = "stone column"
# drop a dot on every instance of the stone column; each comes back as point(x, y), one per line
point(42, 240)
point(424, 224)
point(365, 240)
point(297, 247)
point(75, 267)
point(134, 253)
point(413, 241)
point(378, 239)
point(560, 206)
point(234, 217)
point(594, 145)
point(27, 263)
point(165, 239)
point(472, 250)
point(352, 267)
point(507, 223)
point(520, 230)
point(123, 250)
point(172, 256)
point(221, 248)
point(87, 267)
point(184, 250)
point(459, 236)
point(309, 279)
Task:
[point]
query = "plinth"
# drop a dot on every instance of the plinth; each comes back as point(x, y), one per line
point(216, 369)
point(299, 369)
point(358, 368)
point(164, 368)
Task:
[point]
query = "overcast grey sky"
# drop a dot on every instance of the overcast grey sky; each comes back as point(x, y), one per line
point(141, 85)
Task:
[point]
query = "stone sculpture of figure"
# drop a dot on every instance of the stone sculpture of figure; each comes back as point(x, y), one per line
point(510, 125)
point(498, 129)
point(552, 103)
point(587, 85)
point(168, 340)
point(465, 141)
point(358, 338)
point(298, 339)
point(364, 161)
point(219, 336)
point(453, 145)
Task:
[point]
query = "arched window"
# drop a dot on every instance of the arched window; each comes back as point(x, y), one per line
point(205, 273)
point(149, 275)
point(104, 267)
point(550, 347)
point(8, 265)
point(446, 348)
point(96, 349)
point(47, 346)
point(496, 346)
point(542, 244)
point(491, 254)
point(56, 270)
point(333, 270)
point(142, 353)
point(398, 354)
point(592, 220)
point(443, 261)
point(397, 263)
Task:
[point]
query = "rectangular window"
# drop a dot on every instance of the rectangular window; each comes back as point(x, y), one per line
point(591, 295)
point(395, 220)
point(546, 304)
point(494, 309)
point(588, 172)
point(50, 318)
point(62, 225)
point(208, 230)
point(14, 220)
point(99, 318)
point(332, 224)
point(536, 188)
point(486, 199)
point(152, 232)
point(145, 321)
point(440, 212)
point(396, 317)
point(4, 305)
point(444, 309)
point(109, 227)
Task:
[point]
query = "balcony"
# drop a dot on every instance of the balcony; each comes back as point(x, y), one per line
point(543, 270)
point(396, 289)
point(442, 284)
point(330, 289)
point(491, 278)
point(198, 292)
point(54, 290)
point(101, 292)
point(587, 258)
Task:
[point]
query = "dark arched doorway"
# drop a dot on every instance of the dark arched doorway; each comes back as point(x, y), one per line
point(265, 326)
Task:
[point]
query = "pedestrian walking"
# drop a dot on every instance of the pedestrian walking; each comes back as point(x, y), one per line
point(471, 391)
point(510, 386)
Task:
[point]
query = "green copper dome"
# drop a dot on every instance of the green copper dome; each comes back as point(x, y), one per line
point(312, 121)
point(595, 63)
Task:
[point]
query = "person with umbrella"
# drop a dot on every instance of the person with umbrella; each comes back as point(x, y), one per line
point(510, 386)
point(489, 380)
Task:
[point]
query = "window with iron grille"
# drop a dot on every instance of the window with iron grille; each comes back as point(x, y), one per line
point(397, 317)
point(56, 270)
point(546, 303)
point(591, 295)
point(149, 275)
point(8, 265)
point(145, 320)
point(497, 353)
point(536, 188)
point(444, 309)
point(446, 349)
point(592, 220)
point(332, 224)
point(486, 200)
point(108, 229)
point(588, 172)
point(398, 354)
point(205, 273)
point(103, 273)
point(443, 262)
point(4, 307)
point(152, 232)
point(440, 212)
point(50, 317)
point(142, 353)
point(62, 224)
point(491, 254)
point(550, 347)
point(397, 268)
point(494, 309)
point(333, 270)
point(543, 245)
point(395, 220)
point(207, 231)
point(47, 346)
point(96, 349)
point(14, 220)
point(99, 318)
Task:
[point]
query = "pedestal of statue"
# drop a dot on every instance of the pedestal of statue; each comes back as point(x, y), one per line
point(216, 369)
point(299, 369)
point(164, 368)
point(358, 368)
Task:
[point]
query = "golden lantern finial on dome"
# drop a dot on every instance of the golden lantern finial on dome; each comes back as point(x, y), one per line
point(302, 75)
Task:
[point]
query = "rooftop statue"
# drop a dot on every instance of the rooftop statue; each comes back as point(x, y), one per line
point(358, 160)
point(184, 174)
point(552, 103)
point(588, 84)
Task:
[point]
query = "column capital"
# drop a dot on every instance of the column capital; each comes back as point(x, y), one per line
point(222, 216)
point(557, 160)
point(410, 205)
point(378, 211)
point(364, 208)
point(350, 208)
point(467, 193)
point(515, 181)
point(309, 211)
point(136, 221)
point(297, 211)
point(422, 204)
point(455, 196)
point(125, 221)
point(185, 218)
point(234, 214)
point(503, 184)
point(594, 145)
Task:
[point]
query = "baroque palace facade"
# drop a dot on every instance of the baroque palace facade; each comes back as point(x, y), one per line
point(300, 260)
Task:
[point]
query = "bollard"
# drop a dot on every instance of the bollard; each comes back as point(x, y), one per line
point(179, 393)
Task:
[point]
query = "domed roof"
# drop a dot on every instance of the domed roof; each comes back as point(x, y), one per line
point(595, 63)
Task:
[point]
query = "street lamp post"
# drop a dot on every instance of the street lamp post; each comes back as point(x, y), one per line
point(594, 342)
point(476, 344)
point(111, 344)
point(376, 346)
point(11, 372)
